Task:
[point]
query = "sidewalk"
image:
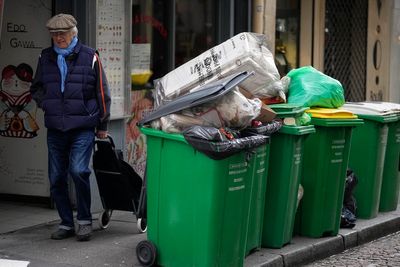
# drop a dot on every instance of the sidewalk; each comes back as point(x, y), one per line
point(115, 246)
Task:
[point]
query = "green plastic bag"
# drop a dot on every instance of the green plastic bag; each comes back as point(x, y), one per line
point(311, 88)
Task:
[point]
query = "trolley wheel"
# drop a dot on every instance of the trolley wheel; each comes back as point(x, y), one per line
point(141, 225)
point(104, 218)
point(146, 253)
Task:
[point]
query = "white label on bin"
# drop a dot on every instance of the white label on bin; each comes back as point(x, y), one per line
point(297, 155)
point(237, 165)
point(237, 172)
point(338, 144)
point(261, 155)
point(260, 170)
point(337, 149)
point(339, 141)
point(236, 188)
point(384, 134)
point(398, 136)
point(297, 158)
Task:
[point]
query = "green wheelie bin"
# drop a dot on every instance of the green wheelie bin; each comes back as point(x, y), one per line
point(368, 156)
point(390, 190)
point(290, 114)
point(286, 153)
point(391, 176)
point(258, 167)
point(197, 207)
point(326, 156)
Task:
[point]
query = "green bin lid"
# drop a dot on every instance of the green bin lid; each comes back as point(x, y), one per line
point(380, 118)
point(297, 130)
point(158, 133)
point(287, 110)
point(374, 108)
point(336, 122)
point(330, 113)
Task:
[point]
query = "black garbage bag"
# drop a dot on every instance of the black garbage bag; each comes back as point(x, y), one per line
point(210, 133)
point(221, 143)
point(348, 217)
point(349, 201)
point(265, 129)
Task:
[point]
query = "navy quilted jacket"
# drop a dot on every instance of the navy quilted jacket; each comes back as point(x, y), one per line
point(85, 102)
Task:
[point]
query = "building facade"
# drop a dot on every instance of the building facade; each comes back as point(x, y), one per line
point(356, 42)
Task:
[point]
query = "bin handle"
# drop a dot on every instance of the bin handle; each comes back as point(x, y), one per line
point(399, 165)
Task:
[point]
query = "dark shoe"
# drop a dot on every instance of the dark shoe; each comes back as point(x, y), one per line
point(62, 234)
point(84, 232)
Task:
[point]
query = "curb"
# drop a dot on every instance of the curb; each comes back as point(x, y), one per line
point(303, 250)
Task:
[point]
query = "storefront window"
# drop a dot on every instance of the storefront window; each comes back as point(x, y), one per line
point(149, 38)
point(287, 35)
point(149, 61)
point(194, 24)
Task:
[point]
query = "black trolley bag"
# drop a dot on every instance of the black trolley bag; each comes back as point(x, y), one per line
point(120, 187)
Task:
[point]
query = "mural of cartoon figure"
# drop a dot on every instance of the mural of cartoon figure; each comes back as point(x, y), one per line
point(17, 110)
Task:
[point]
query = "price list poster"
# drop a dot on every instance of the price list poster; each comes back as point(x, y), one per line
point(111, 46)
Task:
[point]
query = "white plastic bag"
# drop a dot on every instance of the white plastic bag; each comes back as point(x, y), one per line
point(232, 110)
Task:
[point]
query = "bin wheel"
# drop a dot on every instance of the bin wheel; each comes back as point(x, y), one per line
point(104, 218)
point(141, 224)
point(146, 253)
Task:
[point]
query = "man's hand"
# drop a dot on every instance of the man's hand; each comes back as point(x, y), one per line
point(101, 134)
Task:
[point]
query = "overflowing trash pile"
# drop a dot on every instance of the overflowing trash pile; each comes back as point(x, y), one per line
point(224, 88)
point(234, 86)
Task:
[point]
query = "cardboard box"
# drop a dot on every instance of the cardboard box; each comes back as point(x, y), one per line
point(243, 52)
point(266, 114)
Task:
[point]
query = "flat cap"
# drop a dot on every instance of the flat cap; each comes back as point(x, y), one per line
point(61, 23)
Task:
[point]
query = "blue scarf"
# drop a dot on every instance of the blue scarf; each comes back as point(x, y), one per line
point(62, 65)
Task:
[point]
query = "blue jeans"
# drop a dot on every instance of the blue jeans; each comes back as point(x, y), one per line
point(69, 153)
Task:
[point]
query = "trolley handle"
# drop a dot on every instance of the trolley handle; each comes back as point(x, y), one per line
point(97, 140)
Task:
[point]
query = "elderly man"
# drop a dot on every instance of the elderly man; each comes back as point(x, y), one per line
point(70, 86)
